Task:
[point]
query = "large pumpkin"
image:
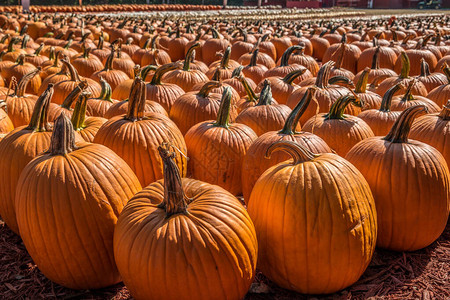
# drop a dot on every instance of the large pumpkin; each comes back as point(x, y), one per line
point(410, 182)
point(68, 201)
point(191, 231)
point(17, 149)
point(317, 235)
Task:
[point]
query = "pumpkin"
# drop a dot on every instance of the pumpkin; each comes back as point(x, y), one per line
point(55, 185)
point(113, 76)
point(300, 58)
point(285, 68)
point(441, 94)
point(408, 99)
point(6, 125)
point(97, 107)
point(100, 52)
point(418, 89)
point(224, 66)
point(213, 45)
point(123, 62)
point(17, 149)
point(241, 47)
point(254, 163)
point(345, 55)
point(254, 71)
point(430, 81)
point(176, 46)
point(55, 110)
point(19, 70)
point(36, 58)
point(410, 216)
point(197, 106)
point(155, 56)
point(251, 99)
point(185, 77)
point(325, 94)
point(386, 57)
point(217, 148)
point(163, 93)
point(261, 59)
point(433, 129)
point(303, 247)
point(320, 46)
point(122, 90)
point(282, 87)
point(381, 120)
point(135, 136)
point(369, 99)
point(87, 64)
point(236, 83)
point(52, 66)
point(20, 105)
point(266, 115)
point(149, 226)
point(376, 73)
point(86, 127)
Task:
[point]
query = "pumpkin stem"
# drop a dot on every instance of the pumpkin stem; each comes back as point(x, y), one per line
point(153, 42)
point(214, 33)
point(72, 71)
point(298, 153)
point(136, 100)
point(86, 51)
point(67, 103)
point(294, 117)
point(424, 68)
point(237, 72)
point(37, 52)
point(25, 40)
point(223, 116)
point(207, 87)
point(446, 70)
point(340, 56)
point(250, 93)
point(79, 112)
point(387, 98)
point(243, 33)
point(445, 112)
point(20, 60)
point(338, 107)
point(361, 84)
point(175, 200)
point(109, 60)
point(145, 71)
point(12, 42)
point(225, 58)
point(408, 94)
point(159, 73)
point(106, 91)
point(254, 58)
point(375, 59)
point(189, 54)
point(341, 81)
point(100, 42)
point(406, 65)
point(287, 54)
point(323, 74)
point(400, 130)
point(39, 120)
point(22, 85)
point(289, 78)
point(265, 97)
point(63, 137)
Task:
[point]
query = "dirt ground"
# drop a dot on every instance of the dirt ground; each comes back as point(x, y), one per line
point(416, 275)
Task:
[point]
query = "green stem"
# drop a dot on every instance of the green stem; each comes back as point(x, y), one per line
point(72, 71)
point(254, 58)
point(424, 68)
point(400, 130)
point(445, 112)
point(159, 73)
point(225, 58)
point(79, 112)
point(289, 78)
point(361, 84)
point(136, 100)
point(250, 93)
point(223, 116)
point(338, 107)
point(287, 54)
point(106, 91)
point(387, 98)
point(144, 71)
point(405, 65)
point(188, 58)
point(323, 74)
point(237, 72)
point(207, 87)
point(12, 42)
point(109, 60)
point(408, 94)
point(294, 117)
point(37, 52)
point(375, 59)
point(67, 103)
point(39, 120)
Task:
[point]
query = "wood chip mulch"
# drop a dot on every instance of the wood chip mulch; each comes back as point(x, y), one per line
point(421, 274)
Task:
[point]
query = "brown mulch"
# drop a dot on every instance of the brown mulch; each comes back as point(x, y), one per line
point(421, 274)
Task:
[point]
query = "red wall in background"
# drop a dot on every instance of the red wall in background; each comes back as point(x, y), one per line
point(388, 4)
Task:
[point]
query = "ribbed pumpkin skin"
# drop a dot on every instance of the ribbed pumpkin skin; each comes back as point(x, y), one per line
point(137, 143)
point(433, 131)
point(20, 109)
point(255, 163)
point(6, 125)
point(91, 127)
point(264, 118)
point(67, 207)
point(165, 94)
point(98, 108)
point(121, 108)
point(379, 121)
point(213, 248)
point(411, 190)
point(217, 153)
point(340, 135)
point(315, 224)
point(16, 150)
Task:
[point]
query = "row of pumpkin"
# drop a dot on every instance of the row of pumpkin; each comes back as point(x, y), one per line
point(74, 190)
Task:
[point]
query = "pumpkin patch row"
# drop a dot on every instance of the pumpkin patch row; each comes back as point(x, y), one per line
point(125, 143)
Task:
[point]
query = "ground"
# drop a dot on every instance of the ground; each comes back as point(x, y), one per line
point(421, 274)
